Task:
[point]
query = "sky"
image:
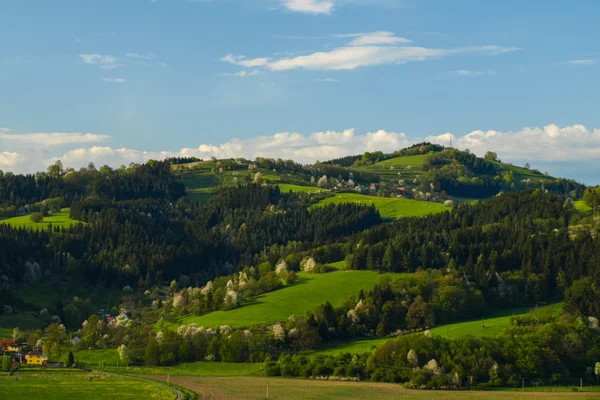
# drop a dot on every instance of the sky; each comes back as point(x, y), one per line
point(120, 81)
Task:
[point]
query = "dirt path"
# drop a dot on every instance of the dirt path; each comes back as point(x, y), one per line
point(254, 388)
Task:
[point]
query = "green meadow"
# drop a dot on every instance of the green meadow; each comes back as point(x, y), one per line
point(308, 292)
point(416, 161)
point(195, 369)
point(60, 219)
point(55, 385)
point(286, 187)
point(389, 208)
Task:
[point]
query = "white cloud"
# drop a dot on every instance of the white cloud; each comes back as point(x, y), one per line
point(330, 80)
point(310, 6)
point(9, 159)
point(103, 61)
point(375, 38)
point(582, 62)
point(114, 80)
point(247, 73)
point(469, 72)
point(368, 49)
point(550, 144)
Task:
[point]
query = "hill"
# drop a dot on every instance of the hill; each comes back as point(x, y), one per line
point(310, 291)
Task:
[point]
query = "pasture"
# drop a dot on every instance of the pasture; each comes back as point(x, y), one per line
point(57, 385)
point(389, 208)
point(415, 161)
point(295, 389)
point(60, 219)
point(286, 187)
point(308, 292)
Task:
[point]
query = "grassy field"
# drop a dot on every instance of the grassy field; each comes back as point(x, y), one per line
point(76, 385)
point(294, 389)
point(487, 327)
point(195, 369)
point(389, 208)
point(60, 219)
point(94, 357)
point(311, 290)
point(286, 187)
point(416, 161)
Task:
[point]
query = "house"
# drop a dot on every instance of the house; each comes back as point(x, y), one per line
point(36, 358)
point(11, 346)
point(75, 341)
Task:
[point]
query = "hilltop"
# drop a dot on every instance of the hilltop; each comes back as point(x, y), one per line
point(424, 172)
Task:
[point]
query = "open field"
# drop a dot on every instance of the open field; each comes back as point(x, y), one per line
point(389, 208)
point(311, 290)
point(222, 388)
point(487, 327)
point(286, 187)
point(53, 385)
point(416, 161)
point(205, 369)
point(60, 219)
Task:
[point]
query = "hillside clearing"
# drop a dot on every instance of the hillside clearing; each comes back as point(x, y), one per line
point(389, 208)
point(60, 219)
point(415, 161)
point(310, 291)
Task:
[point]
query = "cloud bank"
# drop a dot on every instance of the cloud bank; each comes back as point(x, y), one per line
point(542, 147)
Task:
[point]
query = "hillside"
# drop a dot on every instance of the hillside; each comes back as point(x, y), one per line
point(169, 265)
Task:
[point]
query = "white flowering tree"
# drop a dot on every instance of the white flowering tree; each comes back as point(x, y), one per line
point(278, 332)
point(123, 355)
point(412, 358)
point(323, 182)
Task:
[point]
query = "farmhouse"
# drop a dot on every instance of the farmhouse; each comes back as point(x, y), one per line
point(36, 358)
point(11, 346)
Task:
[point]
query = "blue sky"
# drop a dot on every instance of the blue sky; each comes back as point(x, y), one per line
point(115, 81)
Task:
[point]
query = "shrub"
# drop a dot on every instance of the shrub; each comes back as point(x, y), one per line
point(36, 217)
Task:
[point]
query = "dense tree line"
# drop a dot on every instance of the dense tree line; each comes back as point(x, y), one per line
point(542, 350)
point(153, 179)
point(145, 241)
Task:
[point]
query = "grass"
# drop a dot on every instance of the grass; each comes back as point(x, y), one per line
point(56, 385)
point(310, 291)
point(416, 161)
point(195, 369)
point(94, 357)
point(297, 389)
point(582, 206)
point(389, 208)
point(286, 187)
point(487, 327)
point(60, 219)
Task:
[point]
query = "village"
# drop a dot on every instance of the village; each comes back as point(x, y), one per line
point(20, 353)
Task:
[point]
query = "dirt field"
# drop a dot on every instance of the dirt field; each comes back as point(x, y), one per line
point(221, 388)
